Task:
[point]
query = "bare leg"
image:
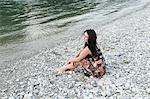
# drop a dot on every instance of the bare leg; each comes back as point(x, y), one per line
point(69, 66)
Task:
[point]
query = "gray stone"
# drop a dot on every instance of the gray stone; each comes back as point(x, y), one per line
point(103, 93)
point(17, 80)
point(5, 90)
point(65, 94)
point(70, 85)
point(5, 97)
point(69, 76)
point(28, 96)
point(148, 90)
point(108, 93)
point(93, 83)
point(11, 97)
point(134, 89)
point(127, 85)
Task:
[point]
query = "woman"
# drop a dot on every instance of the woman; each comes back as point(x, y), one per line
point(89, 57)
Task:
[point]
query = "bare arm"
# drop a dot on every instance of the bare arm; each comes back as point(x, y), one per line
point(77, 54)
point(82, 55)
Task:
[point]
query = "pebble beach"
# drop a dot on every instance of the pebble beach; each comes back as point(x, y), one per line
point(125, 44)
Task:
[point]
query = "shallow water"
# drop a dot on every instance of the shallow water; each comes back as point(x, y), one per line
point(30, 25)
point(24, 19)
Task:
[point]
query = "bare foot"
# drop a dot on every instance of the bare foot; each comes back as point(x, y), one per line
point(59, 70)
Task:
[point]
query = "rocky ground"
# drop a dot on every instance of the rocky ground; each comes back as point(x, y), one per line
point(125, 44)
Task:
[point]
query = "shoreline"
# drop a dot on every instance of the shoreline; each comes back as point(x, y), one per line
point(125, 44)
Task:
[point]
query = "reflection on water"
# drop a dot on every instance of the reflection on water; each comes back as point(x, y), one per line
point(27, 26)
point(18, 17)
point(21, 20)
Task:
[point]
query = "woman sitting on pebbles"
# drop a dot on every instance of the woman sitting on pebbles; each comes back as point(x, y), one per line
point(89, 57)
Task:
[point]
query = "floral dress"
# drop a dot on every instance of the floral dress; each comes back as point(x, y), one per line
point(88, 64)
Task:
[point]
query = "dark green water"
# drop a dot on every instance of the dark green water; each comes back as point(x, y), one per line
point(27, 25)
point(17, 15)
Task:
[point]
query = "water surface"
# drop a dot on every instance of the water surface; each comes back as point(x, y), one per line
point(29, 25)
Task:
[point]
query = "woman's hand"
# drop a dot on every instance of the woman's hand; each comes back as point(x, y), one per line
point(95, 65)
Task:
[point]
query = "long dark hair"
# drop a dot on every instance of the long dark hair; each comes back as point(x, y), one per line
point(91, 41)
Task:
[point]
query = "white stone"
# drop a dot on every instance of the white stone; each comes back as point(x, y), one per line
point(11, 97)
point(28, 96)
point(148, 90)
point(69, 76)
point(17, 80)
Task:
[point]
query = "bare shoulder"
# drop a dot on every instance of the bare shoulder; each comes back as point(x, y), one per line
point(86, 50)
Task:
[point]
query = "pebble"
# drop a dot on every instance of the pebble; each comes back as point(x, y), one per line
point(28, 96)
point(4, 90)
point(11, 97)
point(148, 90)
point(65, 94)
point(103, 93)
point(108, 93)
point(70, 85)
point(69, 76)
point(17, 80)
point(94, 84)
point(5, 97)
